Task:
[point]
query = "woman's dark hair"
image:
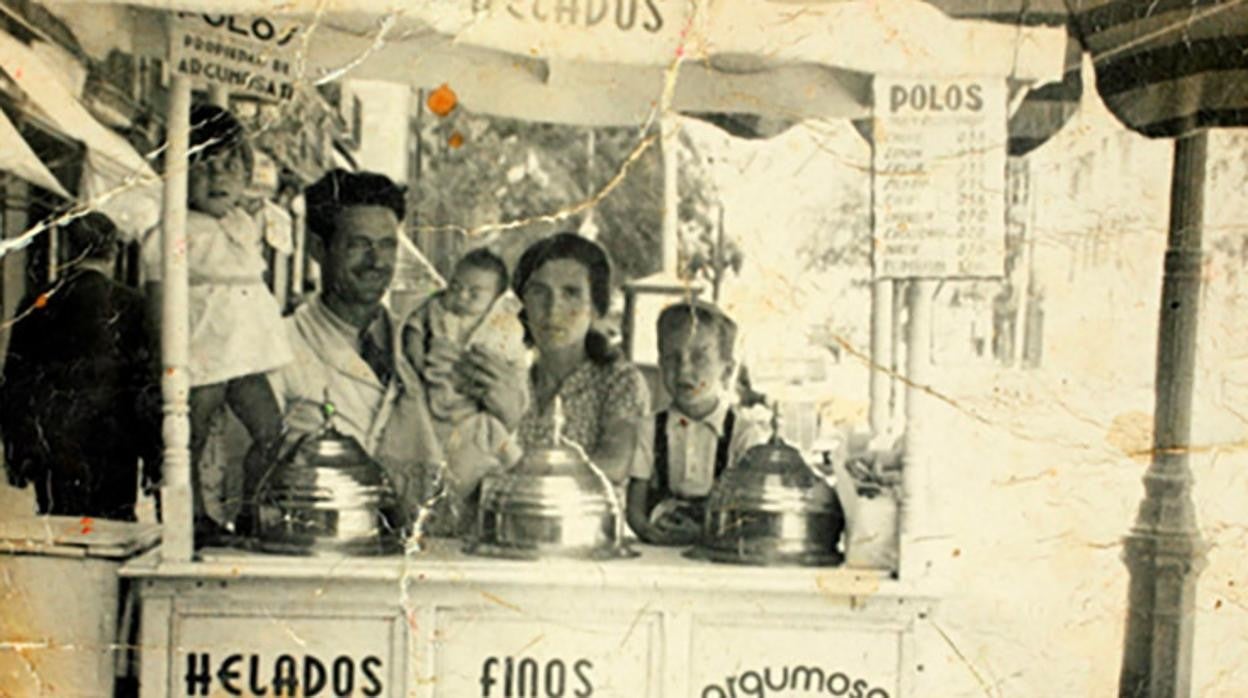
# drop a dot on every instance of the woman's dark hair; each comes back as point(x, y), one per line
point(588, 254)
point(340, 189)
point(216, 132)
point(481, 258)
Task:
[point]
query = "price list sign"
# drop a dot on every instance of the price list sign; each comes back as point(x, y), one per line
point(939, 177)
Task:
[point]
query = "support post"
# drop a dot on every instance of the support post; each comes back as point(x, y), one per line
point(298, 261)
point(219, 95)
point(881, 354)
point(915, 521)
point(1023, 219)
point(1164, 552)
point(178, 543)
point(897, 393)
point(670, 143)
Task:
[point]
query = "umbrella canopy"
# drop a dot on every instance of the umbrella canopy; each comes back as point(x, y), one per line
point(1164, 68)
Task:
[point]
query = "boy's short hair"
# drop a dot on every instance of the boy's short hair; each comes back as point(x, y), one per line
point(481, 258)
point(698, 312)
point(216, 132)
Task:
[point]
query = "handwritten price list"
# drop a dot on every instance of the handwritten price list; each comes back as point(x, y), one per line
point(940, 149)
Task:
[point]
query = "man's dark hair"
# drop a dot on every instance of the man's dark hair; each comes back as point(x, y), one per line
point(91, 236)
point(340, 189)
point(216, 132)
point(481, 258)
point(694, 313)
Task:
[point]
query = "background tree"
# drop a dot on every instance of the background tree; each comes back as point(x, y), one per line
point(706, 251)
point(478, 172)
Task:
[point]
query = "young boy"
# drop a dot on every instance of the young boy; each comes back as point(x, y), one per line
point(472, 310)
point(683, 449)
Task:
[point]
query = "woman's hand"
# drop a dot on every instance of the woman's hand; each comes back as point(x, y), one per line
point(500, 385)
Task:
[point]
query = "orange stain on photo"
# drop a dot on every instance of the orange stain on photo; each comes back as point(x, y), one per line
point(88, 524)
point(442, 101)
point(456, 140)
point(41, 301)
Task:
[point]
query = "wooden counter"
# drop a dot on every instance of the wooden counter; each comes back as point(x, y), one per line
point(445, 624)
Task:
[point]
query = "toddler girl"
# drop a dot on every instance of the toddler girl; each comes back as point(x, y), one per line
point(235, 324)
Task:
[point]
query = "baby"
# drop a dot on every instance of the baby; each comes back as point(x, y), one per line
point(682, 450)
point(473, 310)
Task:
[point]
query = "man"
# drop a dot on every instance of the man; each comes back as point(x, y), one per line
point(346, 346)
point(80, 403)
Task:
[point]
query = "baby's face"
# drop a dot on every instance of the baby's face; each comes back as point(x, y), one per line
point(471, 291)
point(215, 185)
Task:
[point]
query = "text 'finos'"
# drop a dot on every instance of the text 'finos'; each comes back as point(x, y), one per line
point(526, 677)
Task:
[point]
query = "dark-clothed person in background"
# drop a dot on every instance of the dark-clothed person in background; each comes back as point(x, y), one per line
point(80, 402)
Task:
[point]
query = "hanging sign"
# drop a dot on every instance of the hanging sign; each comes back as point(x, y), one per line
point(252, 54)
point(939, 177)
point(617, 31)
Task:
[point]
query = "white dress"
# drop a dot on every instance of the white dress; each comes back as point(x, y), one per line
point(235, 323)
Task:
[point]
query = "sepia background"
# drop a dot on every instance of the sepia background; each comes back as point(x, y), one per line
point(1044, 377)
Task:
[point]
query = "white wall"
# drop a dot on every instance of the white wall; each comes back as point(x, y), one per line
point(384, 129)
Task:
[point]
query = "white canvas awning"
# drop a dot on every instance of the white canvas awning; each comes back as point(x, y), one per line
point(116, 179)
point(785, 60)
point(17, 157)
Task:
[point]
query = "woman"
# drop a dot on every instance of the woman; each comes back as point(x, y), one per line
point(564, 282)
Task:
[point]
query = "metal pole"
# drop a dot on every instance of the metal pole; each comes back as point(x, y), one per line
point(175, 384)
point(299, 259)
point(915, 520)
point(897, 396)
point(881, 354)
point(219, 95)
point(670, 137)
point(1164, 552)
point(883, 351)
point(720, 264)
point(1020, 168)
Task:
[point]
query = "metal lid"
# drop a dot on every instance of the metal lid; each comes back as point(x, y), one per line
point(328, 496)
point(771, 508)
point(555, 476)
point(549, 503)
point(772, 477)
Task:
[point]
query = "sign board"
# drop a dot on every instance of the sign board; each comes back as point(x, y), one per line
point(802, 657)
point(939, 177)
point(251, 54)
point(626, 31)
point(493, 655)
point(222, 654)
